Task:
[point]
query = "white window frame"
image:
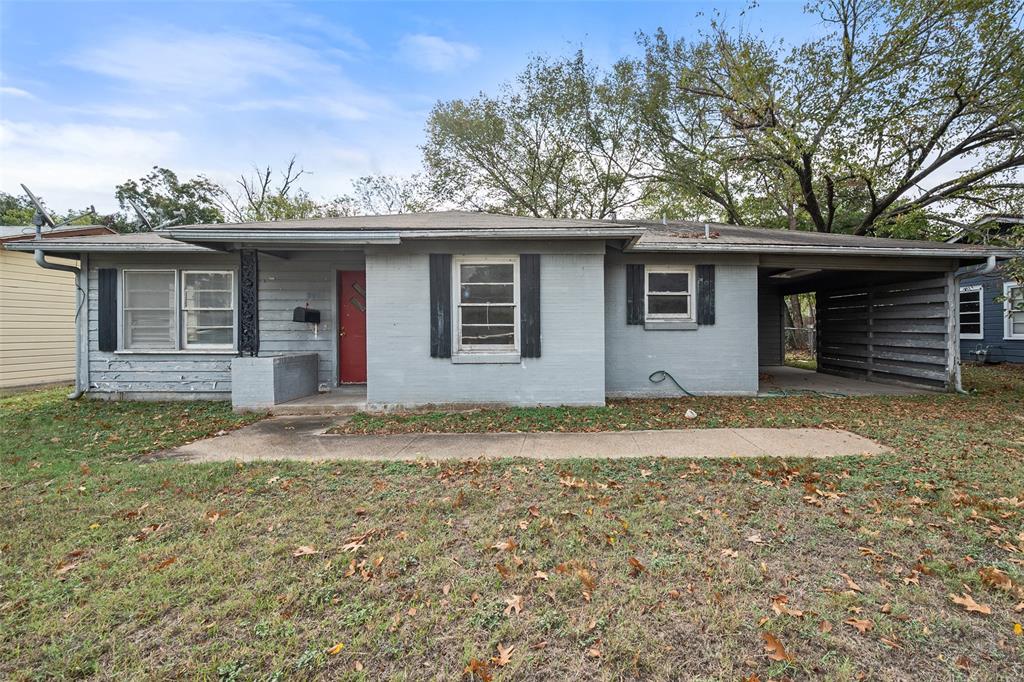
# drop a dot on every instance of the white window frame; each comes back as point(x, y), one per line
point(690, 295)
point(183, 317)
point(981, 310)
point(486, 349)
point(123, 308)
point(1008, 334)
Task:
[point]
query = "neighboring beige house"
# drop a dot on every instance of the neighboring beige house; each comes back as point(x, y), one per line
point(37, 314)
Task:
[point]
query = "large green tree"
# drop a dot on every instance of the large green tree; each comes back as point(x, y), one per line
point(562, 141)
point(162, 196)
point(906, 113)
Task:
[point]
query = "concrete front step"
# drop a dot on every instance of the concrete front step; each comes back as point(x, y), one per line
point(341, 401)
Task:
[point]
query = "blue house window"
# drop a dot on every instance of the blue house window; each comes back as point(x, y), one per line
point(972, 325)
point(1014, 303)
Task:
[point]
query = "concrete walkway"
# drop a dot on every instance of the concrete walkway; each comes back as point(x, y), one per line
point(303, 438)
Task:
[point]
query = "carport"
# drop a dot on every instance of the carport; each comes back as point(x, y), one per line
point(885, 320)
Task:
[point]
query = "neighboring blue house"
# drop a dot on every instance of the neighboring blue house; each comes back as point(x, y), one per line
point(990, 331)
point(991, 306)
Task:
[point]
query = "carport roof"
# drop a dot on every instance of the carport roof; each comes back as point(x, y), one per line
point(681, 235)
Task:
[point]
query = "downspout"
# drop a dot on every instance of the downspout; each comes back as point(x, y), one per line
point(975, 271)
point(43, 263)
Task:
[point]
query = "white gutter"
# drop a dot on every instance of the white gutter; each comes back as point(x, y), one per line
point(40, 257)
point(278, 236)
point(974, 271)
point(61, 246)
point(896, 251)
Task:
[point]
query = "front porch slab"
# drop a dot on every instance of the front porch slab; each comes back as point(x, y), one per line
point(341, 400)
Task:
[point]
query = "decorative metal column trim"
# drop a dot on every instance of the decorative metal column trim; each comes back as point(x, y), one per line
point(248, 302)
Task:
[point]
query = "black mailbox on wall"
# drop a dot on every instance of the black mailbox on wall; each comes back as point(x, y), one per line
point(308, 315)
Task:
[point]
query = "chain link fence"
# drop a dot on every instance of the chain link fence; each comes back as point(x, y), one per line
point(801, 339)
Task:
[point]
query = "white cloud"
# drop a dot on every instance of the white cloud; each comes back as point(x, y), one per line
point(74, 165)
point(8, 91)
point(199, 63)
point(350, 106)
point(433, 53)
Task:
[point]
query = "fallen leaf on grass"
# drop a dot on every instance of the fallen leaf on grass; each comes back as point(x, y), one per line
point(504, 546)
point(861, 625)
point(594, 652)
point(304, 550)
point(850, 583)
point(515, 603)
point(773, 648)
point(65, 566)
point(504, 655)
point(825, 627)
point(538, 646)
point(990, 575)
point(755, 539)
point(635, 567)
point(165, 563)
point(965, 600)
point(540, 575)
point(780, 607)
point(336, 649)
point(477, 668)
point(1018, 629)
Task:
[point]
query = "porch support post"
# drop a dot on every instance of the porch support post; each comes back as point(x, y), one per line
point(248, 302)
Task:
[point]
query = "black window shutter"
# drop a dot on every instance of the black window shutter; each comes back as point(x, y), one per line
point(705, 294)
point(107, 311)
point(440, 305)
point(529, 304)
point(634, 293)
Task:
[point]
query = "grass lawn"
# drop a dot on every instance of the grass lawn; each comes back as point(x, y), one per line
point(658, 569)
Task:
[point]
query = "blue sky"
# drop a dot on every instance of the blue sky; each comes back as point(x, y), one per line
point(94, 93)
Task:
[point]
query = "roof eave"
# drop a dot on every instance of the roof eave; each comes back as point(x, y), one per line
point(86, 247)
point(825, 250)
point(319, 237)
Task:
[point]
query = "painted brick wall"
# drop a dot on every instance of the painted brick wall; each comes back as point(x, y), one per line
point(715, 359)
point(570, 371)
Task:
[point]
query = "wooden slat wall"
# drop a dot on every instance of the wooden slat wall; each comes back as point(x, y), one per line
point(896, 333)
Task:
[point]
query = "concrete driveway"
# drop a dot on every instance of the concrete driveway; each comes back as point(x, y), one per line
point(303, 438)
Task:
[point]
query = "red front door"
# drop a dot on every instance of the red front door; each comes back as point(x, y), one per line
point(352, 326)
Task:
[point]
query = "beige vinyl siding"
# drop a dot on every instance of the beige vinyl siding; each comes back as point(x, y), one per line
point(37, 322)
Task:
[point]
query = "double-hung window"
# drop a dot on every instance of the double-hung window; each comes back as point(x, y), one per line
point(169, 310)
point(1013, 294)
point(487, 290)
point(208, 310)
point(972, 312)
point(669, 292)
point(150, 318)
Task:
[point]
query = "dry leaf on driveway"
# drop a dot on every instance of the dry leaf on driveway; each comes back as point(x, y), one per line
point(965, 600)
point(304, 550)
